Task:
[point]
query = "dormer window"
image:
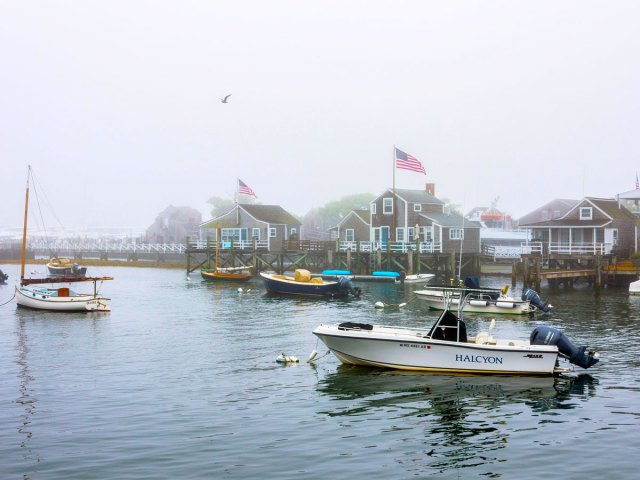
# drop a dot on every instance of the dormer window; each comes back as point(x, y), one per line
point(417, 207)
point(586, 213)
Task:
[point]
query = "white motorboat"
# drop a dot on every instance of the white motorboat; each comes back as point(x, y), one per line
point(418, 278)
point(482, 300)
point(634, 288)
point(446, 348)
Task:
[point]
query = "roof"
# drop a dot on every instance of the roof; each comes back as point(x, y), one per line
point(415, 196)
point(452, 220)
point(630, 195)
point(272, 214)
point(362, 215)
point(610, 207)
point(558, 207)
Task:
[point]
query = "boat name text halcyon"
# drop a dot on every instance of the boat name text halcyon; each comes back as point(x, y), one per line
point(478, 359)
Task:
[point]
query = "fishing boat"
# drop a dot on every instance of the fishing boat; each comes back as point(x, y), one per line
point(65, 267)
point(447, 348)
point(472, 298)
point(302, 284)
point(58, 296)
point(226, 274)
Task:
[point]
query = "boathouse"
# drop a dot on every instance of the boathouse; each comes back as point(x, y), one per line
point(255, 226)
point(353, 228)
point(417, 216)
point(591, 226)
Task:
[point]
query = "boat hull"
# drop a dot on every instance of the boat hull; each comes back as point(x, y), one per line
point(40, 300)
point(282, 286)
point(67, 272)
point(419, 278)
point(404, 349)
point(437, 300)
point(218, 276)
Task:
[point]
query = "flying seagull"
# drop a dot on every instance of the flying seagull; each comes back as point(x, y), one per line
point(225, 99)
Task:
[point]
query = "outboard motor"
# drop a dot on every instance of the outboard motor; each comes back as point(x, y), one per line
point(543, 335)
point(3, 277)
point(534, 299)
point(345, 283)
point(472, 282)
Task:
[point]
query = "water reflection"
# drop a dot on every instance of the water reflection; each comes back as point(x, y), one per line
point(453, 413)
point(25, 396)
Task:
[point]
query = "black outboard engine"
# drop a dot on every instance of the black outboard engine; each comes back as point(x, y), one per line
point(534, 299)
point(544, 335)
point(345, 283)
point(472, 282)
point(3, 277)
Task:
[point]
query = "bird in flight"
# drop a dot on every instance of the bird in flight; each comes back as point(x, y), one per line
point(225, 99)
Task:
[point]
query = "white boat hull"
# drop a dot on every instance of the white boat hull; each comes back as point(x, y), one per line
point(406, 349)
point(419, 278)
point(38, 299)
point(634, 288)
point(437, 300)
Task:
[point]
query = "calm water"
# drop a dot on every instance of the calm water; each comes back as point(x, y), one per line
point(180, 381)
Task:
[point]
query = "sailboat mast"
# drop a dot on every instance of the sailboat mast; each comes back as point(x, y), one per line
point(24, 227)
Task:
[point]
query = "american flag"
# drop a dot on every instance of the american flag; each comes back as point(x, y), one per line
point(246, 189)
point(408, 162)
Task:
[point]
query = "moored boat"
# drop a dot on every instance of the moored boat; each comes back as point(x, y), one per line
point(60, 298)
point(65, 267)
point(472, 298)
point(237, 274)
point(446, 348)
point(302, 284)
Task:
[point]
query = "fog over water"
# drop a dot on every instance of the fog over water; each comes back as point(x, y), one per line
point(116, 105)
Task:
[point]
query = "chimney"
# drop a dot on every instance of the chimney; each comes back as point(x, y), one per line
point(431, 188)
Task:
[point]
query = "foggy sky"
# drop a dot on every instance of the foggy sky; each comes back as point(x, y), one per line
point(116, 104)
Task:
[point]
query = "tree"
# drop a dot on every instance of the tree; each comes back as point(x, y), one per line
point(340, 208)
point(224, 205)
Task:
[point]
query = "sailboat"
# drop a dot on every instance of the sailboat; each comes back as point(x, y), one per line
point(233, 274)
point(52, 298)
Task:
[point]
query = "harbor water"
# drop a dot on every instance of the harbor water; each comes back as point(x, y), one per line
point(180, 380)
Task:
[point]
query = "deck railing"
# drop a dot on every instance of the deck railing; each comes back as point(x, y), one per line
point(563, 248)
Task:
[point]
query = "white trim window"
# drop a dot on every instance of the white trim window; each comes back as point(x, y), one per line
point(373, 208)
point(273, 233)
point(400, 234)
point(349, 235)
point(456, 233)
point(255, 233)
point(417, 207)
point(411, 233)
point(586, 213)
point(387, 205)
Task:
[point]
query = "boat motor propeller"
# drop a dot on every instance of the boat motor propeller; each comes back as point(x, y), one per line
point(345, 283)
point(543, 335)
point(534, 299)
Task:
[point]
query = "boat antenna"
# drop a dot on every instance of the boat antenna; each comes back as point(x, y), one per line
point(461, 241)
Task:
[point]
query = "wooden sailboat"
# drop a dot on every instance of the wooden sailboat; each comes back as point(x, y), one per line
point(53, 298)
point(232, 274)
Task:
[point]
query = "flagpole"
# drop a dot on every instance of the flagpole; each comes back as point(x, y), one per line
point(393, 201)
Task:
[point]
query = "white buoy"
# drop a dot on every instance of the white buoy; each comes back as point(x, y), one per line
point(401, 305)
point(378, 305)
point(282, 358)
point(240, 290)
point(188, 278)
point(312, 356)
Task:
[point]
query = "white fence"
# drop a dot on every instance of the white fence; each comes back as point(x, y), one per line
point(397, 247)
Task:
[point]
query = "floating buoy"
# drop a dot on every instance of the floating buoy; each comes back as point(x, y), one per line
point(282, 358)
point(312, 356)
point(378, 305)
point(401, 305)
point(240, 290)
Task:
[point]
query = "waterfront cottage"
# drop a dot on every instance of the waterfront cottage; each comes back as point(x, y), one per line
point(418, 217)
point(591, 226)
point(248, 225)
point(173, 225)
point(352, 229)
